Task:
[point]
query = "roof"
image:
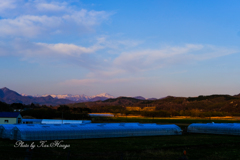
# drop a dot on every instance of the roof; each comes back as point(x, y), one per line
point(9, 114)
point(32, 120)
point(56, 121)
point(35, 132)
point(100, 115)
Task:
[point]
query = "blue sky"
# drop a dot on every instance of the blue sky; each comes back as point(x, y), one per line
point(125, 48)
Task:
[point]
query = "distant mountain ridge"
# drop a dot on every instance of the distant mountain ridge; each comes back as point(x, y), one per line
point(85, 98)
point(77, 98)
point(10, 96)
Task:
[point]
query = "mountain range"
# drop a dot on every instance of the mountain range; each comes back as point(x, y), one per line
point(10, 96)
point(79, 98)
point(85, 98)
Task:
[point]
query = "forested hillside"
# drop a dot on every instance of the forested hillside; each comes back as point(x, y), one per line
point(201, 106)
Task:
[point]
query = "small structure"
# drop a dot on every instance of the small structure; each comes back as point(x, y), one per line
point(31, 121)
point(100, 115)
point(53, 121)
point(10, 118)
point(215, 128)
point(5, 130)
point(18, 110)
point(35, 132)
point(58, 121)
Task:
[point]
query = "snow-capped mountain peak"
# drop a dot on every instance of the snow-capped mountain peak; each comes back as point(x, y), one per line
point(71, 97)
point(24, 94)
point(103, 95)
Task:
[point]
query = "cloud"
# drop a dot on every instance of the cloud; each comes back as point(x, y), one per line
point(5, 49)
point(61, 53)
point(118, 43)
point(107, 72)
point(9, 4)
point(35, 18)
point(94, 57)
point(28, 26)
point(64, 49)
point(170, 55)
point(52, 6)
point(79, 82)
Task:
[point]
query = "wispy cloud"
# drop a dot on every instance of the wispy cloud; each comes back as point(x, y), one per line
point(117, 43)
point(79, 82)
point(52, 6)
point(170, 55)
point(94, 57)
point(63, 49)
point(62, 53)
point(107, 72)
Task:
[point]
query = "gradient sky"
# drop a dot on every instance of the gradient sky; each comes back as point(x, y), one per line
point(151, 48)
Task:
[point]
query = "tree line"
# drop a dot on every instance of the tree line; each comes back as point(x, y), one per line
point(47, 112)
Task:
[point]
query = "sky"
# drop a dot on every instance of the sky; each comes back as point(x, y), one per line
point(149, 48)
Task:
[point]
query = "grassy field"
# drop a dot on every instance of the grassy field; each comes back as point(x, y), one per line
point(198, 146)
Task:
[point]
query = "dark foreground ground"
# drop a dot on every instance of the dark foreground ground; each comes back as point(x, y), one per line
point(198, 147)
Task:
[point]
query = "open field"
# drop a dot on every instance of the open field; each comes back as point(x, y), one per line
point(198, 146)
point(118, 115)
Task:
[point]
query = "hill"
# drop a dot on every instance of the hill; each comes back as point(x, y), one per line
point(9, 96)
point(214, 105)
